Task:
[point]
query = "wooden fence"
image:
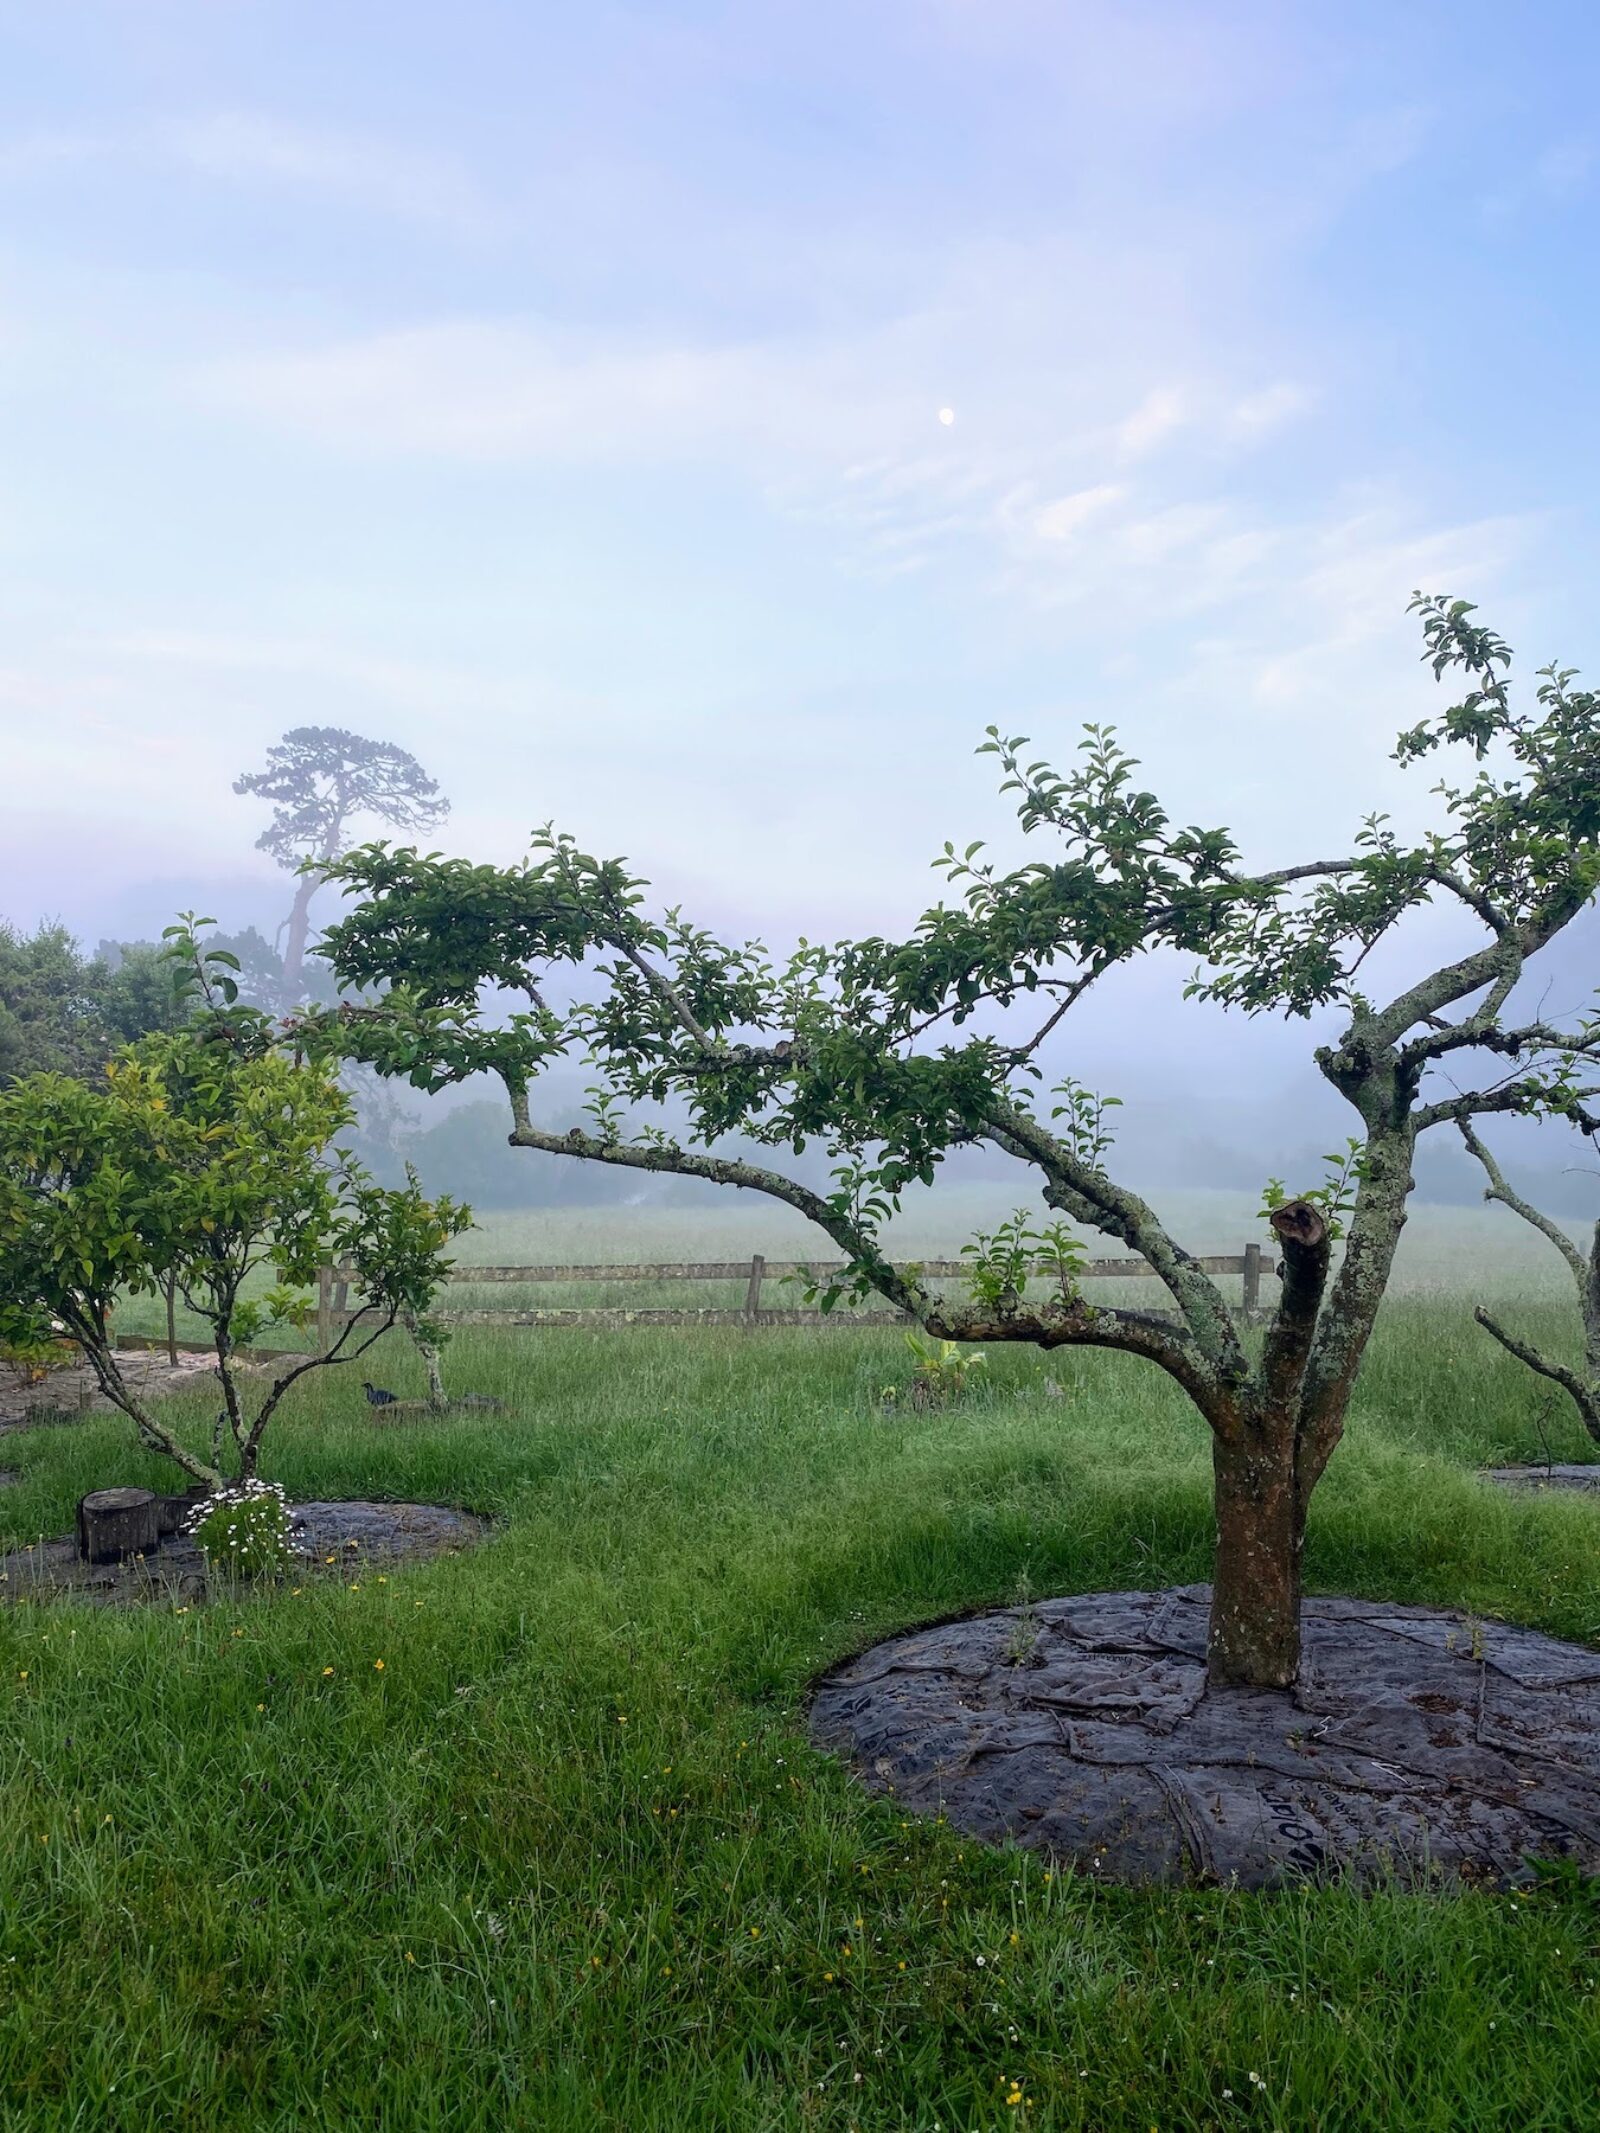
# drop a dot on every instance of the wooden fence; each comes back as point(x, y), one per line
point(755, 1272)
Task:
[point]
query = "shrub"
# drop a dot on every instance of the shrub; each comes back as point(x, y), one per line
point(244, 1531)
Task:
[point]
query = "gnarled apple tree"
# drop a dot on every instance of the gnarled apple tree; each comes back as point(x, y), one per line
point(894, 1052)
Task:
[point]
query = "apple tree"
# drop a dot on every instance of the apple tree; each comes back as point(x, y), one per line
point(205, 1162)
point(892, 1053)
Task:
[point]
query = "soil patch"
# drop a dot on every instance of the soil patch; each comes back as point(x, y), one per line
point(1417, 1743)
point(66, 1394)
point(1544, 1477)
point(335, 1539)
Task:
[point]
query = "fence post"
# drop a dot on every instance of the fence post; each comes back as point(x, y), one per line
point(1252, 1279)
point(752, 1295)
point(324, 1309)
point(172, 1321)
point(341, 1289)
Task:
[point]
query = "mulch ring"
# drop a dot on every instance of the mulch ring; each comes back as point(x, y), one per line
point(1544, 1477)
point(335, 1540)
point(1417, 1744)
point(469, 1403)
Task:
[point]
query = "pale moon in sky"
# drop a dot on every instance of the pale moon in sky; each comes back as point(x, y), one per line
point(947, 415)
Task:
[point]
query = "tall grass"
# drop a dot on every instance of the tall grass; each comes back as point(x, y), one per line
point(567, 1860)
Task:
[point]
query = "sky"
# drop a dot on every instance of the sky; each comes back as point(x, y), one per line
point(697, 422)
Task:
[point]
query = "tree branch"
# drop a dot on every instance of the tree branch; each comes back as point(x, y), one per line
point(89, 1331)
point(896, 1288)
point(1583, 1394)
point(1500, 1190)
point(1475, 900)
point(669, 996)
point(1075, 1323)
point(1089, 1196)
point(314, 1362)
point(1302, 1231)
point(1518, 1096)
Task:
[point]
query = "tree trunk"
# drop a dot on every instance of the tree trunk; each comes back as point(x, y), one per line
point(1254, 1639)
point(438, 1403)
point(294, 947)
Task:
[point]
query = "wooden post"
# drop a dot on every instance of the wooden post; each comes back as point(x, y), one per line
point(1252, 1280)
point(324, 1309)
point(341, 1290)
point(752, 1295)
point(172, 1320)
point(115, 1523)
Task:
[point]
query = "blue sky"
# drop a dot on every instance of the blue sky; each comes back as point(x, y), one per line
point(557, 392)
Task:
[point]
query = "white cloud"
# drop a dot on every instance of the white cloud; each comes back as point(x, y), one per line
point(1068, 515)
point(498, 391)
point(246, 148)
point(1258, 413)
point(42, 150)
point(1158, 415)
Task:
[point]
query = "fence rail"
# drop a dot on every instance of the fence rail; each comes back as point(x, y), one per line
point(755, 1272)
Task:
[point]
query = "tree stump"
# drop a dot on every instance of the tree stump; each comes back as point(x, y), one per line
point(116, 1523)
point(172, 1511)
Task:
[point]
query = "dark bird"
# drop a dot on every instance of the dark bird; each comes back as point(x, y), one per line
point(376, 1396)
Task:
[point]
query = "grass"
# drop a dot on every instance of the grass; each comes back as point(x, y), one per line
point(566, 1859)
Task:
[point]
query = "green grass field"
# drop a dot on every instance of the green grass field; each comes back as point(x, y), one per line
point(565, 1859)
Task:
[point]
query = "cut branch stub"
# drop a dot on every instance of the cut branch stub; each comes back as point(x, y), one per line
point(1299, 1223)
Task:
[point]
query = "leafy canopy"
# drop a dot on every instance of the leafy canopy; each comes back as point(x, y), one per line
point(891, 1052)
point(319, 777)
point(206, 1160)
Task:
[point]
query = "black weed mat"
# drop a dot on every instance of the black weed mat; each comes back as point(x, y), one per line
point(1416, 1744)
point(331, 1538)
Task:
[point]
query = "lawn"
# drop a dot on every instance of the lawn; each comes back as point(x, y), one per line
point(565, 1859)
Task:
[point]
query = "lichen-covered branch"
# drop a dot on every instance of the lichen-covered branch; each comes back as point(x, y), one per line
point(1583, 1385)
point(1584, 1390)
point(1499, 1189)
point(899, 1289)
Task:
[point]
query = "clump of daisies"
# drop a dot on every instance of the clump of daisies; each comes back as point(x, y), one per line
point(244, 1530)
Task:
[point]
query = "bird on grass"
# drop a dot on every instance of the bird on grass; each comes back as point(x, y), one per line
point(376, 1396)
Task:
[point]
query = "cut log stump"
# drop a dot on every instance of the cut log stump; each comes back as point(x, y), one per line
point(171, 1511)
point(116, 1523)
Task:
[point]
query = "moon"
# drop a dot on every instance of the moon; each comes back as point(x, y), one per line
point(947, 415)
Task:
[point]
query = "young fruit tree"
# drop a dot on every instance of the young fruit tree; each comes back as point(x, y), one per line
point(894, 1052)
point(205, 1161)
point(1582, 1385)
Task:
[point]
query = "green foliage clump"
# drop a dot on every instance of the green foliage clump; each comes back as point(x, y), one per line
point(65, 1012)
point(206, 1159)
point(245, 1532)
point(944, 1372)
point(1334, 1198)
point(1003, 1260)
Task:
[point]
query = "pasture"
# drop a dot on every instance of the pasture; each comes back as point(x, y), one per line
point(533, 1837)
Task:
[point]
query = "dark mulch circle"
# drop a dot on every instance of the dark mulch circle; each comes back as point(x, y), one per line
point(469, 1403)
point(8, 1480)
point(1544, 1477)
point(335, 1539)
point(1416, 1744)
